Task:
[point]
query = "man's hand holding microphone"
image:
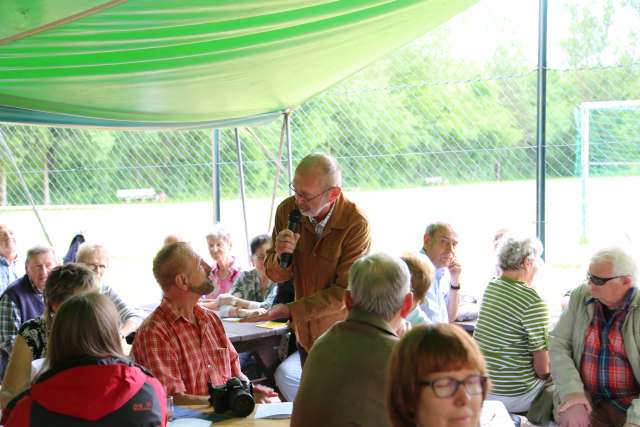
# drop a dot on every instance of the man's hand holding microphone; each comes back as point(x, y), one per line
point(285, 244)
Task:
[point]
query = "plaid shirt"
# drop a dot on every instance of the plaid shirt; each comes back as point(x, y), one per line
point(185, 356)
point(9, 272)
point(605, 368)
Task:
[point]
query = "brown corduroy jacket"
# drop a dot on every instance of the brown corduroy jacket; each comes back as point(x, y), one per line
point(320, 267)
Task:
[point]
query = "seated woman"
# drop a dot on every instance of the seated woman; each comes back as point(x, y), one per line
point(253, 293)
point(422, 272)
point(225, 271)
point(436, 376)
point(513, 327)
point(89, 380)
point(31, 342)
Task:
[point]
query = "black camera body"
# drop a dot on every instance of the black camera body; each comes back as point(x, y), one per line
point(235, 395)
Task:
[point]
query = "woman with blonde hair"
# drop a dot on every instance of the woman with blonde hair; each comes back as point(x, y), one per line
point(437, 377)
point(89, 380)
point(422, 272)
point(31, 342)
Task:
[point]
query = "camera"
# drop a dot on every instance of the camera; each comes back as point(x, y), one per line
point(234, 395)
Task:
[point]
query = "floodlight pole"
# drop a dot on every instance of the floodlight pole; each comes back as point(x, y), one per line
point(541, 121)
point(242, 192)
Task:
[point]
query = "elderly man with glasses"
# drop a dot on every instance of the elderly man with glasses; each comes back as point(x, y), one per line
point(594, 349)
point(331, 235)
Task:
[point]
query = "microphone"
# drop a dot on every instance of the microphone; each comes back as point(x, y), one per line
point(294, 219)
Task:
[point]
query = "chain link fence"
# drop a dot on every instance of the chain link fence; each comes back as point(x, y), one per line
point(395, 136)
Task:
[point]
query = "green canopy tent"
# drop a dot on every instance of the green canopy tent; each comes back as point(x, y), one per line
point(191, 63)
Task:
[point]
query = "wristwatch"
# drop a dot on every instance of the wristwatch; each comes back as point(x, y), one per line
point(455, 288)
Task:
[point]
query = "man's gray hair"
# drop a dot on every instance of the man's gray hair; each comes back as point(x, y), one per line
point(218, 232)
point(87, 249)
point(512, 252)
point(39, 250)
point(433, 228)
point(621, 260)
point(379, 284)
point(326, 165)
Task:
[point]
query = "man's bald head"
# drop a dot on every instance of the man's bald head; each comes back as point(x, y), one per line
point(170, 261)
point(323, 166)
point(7, 242)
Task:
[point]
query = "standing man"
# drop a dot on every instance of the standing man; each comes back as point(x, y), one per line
point(595, 363)
point(332, 234)
point(440, 243)
point(23, 299)
point(10, 269)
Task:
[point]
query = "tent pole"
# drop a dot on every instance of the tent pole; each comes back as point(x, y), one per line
point(215, 173)
point(242, 193)
point(24, 186)
point(287, 121)
point(278, 167)
point(541, 121)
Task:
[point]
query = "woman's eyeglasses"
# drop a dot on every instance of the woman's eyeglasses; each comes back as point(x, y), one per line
point(447, 387)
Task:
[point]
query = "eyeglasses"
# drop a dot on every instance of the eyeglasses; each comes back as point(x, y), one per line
point(600, 281)
point(447, 387)
point(96, 267)
point(306, 198)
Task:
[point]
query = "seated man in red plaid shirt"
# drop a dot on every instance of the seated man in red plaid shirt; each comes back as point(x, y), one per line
point(184, 345)
point(595, 357)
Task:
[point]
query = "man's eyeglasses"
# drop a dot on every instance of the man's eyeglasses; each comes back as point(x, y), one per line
point(600, 281)
point(447, 387)
point(304, 197)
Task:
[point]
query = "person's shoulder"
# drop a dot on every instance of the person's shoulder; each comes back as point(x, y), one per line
point(207, 315)
point(156, 323)
point(37, 323)
point(286, 206)
point(352, 210)
point(14, 286)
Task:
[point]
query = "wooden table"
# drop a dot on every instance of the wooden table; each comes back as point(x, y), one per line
point(249, 421)
point(261, 342)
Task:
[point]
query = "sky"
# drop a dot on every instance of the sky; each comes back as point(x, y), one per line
point(475, 33)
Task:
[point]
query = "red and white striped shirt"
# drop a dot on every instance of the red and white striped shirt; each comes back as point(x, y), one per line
point(185, 356)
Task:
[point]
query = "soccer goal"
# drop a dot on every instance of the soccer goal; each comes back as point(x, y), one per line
point(608, 144)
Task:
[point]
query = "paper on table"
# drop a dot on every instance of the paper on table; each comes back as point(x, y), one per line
point(189, 422)
point(271, 325)
point(274, 411)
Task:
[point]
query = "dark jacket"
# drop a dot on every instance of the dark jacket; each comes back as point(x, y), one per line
point(28, 302)
point(90, 392)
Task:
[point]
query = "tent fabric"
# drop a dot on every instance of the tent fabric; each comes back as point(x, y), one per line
point(191, 63)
